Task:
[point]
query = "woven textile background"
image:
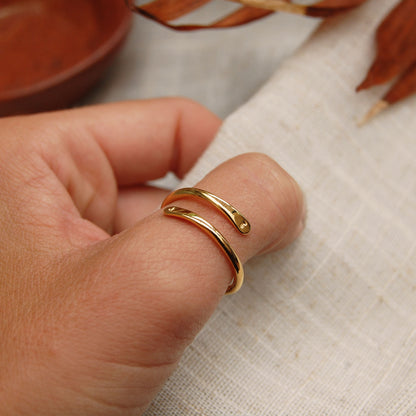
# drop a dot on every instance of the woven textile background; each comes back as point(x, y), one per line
point(327, 326)
point(220, 69)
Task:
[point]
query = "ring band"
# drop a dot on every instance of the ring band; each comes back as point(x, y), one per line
point(236, 218)
point(216, 236)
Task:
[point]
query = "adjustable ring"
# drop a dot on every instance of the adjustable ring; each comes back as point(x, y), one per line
point(235, 217)
point(216, 236)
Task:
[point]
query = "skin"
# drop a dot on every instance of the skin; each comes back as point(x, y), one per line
point(99, 292)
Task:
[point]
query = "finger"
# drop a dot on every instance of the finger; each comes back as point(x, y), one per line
point(135, 203)
point(144, 140)
point(154, 285)
point(77, 156)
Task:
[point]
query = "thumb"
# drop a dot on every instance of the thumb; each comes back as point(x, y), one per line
point(153, 286)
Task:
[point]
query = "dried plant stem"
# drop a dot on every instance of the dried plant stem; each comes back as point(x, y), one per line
point(377, 108)
point(274, 5)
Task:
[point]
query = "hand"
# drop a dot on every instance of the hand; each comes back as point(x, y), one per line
point(99, 293)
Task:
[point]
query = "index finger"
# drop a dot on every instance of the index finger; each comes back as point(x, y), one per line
point(93, 150)
point(144, 140)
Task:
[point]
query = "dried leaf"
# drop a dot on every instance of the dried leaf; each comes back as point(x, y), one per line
point(324, 8)
point(396, 35)
point(167, 10)
point(405, 86)
point(396, 45)
point(396, 56)
point(164, 11)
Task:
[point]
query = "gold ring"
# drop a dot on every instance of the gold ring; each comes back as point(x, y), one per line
point(216, 236)
point(236, 218)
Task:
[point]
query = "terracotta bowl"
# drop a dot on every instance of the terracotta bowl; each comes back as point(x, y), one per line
point(53, 51)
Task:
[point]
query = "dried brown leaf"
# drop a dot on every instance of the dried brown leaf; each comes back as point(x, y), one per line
point(404, 86)
point(324, 8)
point(164, 11)
point(396, 35)
point(167, 10)
point(396, 45)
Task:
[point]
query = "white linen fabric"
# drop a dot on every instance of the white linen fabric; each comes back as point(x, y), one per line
point(327, 326)
point(221, 69)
